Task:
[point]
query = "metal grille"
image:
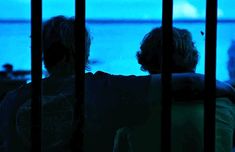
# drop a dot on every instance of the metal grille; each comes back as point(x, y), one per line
point(167, 9)
point(210, 78)
point(36, 57)
point(80, 72)
point(210, 68)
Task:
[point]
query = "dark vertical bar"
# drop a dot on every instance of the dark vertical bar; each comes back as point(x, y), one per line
point(80, 72)
point(210, 76)
point(167, 15)
point(36, 64)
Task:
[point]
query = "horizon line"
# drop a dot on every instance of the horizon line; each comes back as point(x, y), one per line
point(123, 21)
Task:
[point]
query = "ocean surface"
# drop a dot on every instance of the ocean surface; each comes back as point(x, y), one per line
point(114, 45)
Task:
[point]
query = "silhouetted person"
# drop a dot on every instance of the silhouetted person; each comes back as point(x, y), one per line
point(7, 72)
point(8, 69)
point(187, 108)
point(58, 46)
point(184, 54)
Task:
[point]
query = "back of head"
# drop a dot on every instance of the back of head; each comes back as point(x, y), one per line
point(59, 42)
point(184, 53)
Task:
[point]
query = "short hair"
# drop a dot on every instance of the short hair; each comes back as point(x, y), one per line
point(184, 53)
point(58, 41)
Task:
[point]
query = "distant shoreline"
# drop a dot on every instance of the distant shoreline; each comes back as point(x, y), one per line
point(123, 21)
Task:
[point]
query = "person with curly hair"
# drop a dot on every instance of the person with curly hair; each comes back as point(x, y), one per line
point(187, 111)
point(184, 53)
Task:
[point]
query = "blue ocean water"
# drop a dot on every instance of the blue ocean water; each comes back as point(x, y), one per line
point(114, 46)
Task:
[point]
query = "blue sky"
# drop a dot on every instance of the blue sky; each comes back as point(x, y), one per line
point(143, 9)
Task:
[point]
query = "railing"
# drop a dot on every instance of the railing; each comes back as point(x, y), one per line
point(80, 72)
point(209, 121)
point(36, 57)
point(167, 16)
point(210, 78)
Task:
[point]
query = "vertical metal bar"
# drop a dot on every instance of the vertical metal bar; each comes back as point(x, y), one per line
point(36, 66)
point(210, 76)
point(80, 73)
point(167, 16)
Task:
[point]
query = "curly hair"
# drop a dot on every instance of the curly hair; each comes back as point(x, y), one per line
point(58, 41)
point(184, 53)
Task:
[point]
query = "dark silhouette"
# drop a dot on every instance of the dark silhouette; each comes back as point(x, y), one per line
point(187, 109)
point(9, 69)
point(57, 99)
point(185, 55)
point(7, 73)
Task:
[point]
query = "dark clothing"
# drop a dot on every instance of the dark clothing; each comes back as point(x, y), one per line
point(232, 83)
point(107, 108)
point(10, 132)
point(187, 121)
point(8, 85)
point(111, 102)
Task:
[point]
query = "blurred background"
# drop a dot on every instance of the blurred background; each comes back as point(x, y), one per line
point(117, 28)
